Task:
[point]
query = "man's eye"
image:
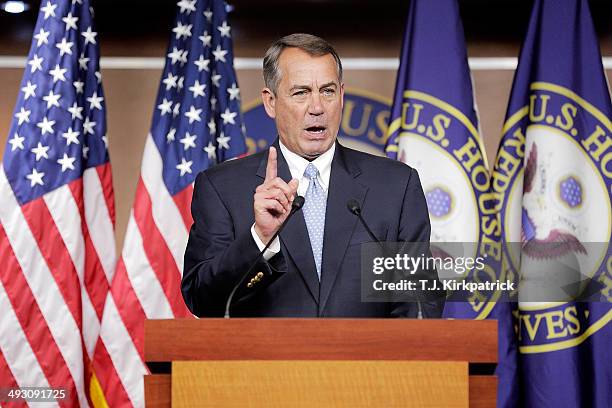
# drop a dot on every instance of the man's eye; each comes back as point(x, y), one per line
point(299, 93)
point(329, 91)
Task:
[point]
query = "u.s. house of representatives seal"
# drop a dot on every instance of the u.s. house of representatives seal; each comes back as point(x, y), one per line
point(555, 170)
point(443, 144)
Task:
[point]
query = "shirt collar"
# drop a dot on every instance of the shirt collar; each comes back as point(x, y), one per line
point(297, 164)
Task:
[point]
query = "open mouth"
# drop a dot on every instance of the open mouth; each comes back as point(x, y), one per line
point(315, 129)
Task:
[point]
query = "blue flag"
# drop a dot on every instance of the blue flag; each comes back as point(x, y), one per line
point(434, 128)
point(553, 175)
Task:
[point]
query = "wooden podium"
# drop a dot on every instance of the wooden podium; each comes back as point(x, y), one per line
point(320, 362)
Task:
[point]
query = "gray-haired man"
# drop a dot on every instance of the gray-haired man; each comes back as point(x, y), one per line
point(313, 268)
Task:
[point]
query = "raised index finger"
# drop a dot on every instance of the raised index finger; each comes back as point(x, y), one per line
point(272, 164)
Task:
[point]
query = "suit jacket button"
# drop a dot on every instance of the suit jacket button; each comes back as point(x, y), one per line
point(260, 275)
point(249, 285)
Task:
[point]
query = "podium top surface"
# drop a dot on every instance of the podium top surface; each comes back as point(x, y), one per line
point(474, 341)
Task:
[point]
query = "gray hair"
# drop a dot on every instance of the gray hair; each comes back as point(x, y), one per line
point(311, 44)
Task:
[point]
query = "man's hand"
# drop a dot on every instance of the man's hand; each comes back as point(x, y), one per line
point(272, 200)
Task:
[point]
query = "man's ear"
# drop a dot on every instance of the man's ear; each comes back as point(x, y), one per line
point(342, 94)
point(269, 101)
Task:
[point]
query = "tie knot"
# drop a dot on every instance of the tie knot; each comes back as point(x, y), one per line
point(311, 171)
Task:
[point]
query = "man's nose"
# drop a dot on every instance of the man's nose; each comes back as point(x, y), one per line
point(315, 107)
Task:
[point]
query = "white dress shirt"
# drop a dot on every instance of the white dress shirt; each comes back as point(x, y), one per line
point(297, 166)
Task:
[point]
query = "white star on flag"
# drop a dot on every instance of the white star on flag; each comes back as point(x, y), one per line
point(40, 151)
point(95, 101)
point(211, 151)
point(35, 63)
point(215, 78)
point(182, 30)
point(219, 54)
point(52, 99)
point(170, 81)
point(66, 162)
point(188, 141)
point(71, 136)
point(16, 142)
point(58, 74)
point(35, 178)
point(28, 90)
point(78, 86)
point(88, 126)
point(208, 14)
point(165, 107)
point(183, 58)
point(42, 37)
point(176, 110)
point(205, 38)
point(193, 114)
point(224, 29)
point(49, 10)
point(228, 117)
point(90, 36)
point(83, 60)
point(176, 55)
point(212, 126)
point(202, 63)
point(75, 110)
point(184, 166)
point(171, 135)
point(187, 6)
point(65, 47)
point(234, 92)
point(70, 21)
point(223, 140)
point(23, 116)
point(46, 125)
point(197, 89)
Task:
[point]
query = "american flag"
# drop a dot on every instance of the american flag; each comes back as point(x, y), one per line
point(196, 124)
point(57, 248)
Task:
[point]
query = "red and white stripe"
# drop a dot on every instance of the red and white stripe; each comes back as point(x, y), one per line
point(58, 258)
point(146, 284)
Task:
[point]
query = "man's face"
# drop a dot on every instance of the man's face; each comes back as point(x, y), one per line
point(307, 105)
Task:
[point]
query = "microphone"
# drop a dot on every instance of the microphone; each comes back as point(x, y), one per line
point(354, 207)
point(296, 205)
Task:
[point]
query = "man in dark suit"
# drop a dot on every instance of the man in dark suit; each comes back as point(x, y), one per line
point(313, 269)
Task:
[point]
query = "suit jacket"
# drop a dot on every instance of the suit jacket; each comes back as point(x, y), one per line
point(221, 248)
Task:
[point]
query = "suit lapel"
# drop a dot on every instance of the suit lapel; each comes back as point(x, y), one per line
point(295, 235)
point(339, 222)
